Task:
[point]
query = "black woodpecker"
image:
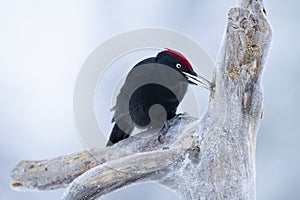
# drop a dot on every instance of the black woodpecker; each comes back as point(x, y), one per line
point(160, 80)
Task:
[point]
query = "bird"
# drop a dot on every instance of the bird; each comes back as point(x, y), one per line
point(161, 80)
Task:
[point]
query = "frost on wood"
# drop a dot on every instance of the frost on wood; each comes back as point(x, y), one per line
point(210, 158)
point(59, 172)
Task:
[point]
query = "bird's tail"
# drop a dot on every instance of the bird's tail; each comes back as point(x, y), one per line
point(116, 135)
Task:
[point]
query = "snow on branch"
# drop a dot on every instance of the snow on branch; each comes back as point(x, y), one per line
point(61, 171)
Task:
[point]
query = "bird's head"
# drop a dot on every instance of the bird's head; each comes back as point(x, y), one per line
point(178, 62)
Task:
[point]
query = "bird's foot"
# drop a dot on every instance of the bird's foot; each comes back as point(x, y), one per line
point(165, 129)
point(163, 132)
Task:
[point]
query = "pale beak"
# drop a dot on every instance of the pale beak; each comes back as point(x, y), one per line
point(199, 80)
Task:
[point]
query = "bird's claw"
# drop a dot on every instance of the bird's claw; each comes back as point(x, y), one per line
point(165, 129)
point(163, 132)
point(160, 139)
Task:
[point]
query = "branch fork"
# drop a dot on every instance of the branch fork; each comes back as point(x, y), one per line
point(210, 158)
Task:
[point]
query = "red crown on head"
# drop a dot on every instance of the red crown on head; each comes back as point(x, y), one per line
point(180, 57)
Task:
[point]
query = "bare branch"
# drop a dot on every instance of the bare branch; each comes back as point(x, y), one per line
point(51, 174)
point(121, 172)
point(59, 172)
point(213, 158)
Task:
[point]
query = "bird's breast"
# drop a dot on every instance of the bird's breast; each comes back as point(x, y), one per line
point(147, 85)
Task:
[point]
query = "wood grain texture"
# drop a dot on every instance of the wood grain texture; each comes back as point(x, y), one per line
point(211, 158)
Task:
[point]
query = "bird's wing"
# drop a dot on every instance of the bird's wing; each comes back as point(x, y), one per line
point(121, 109)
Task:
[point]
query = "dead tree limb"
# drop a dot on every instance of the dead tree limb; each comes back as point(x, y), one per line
point(61, 171)
point(213, 158)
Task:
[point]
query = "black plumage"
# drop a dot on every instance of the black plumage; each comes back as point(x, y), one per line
point(160, 80)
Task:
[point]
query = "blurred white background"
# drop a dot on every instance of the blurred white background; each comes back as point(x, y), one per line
point(43, 44)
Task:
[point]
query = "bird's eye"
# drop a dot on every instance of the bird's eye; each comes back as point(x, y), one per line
point(178, 65)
